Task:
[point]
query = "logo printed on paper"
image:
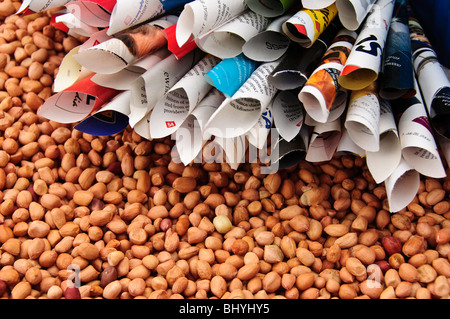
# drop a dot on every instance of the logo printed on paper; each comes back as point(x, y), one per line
point(423, 120)
point(170, 124)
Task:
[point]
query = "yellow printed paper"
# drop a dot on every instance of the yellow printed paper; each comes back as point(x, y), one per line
point(322, 18)
point(307, 25)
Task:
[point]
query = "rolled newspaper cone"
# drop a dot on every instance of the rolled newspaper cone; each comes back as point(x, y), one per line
point(324, 141)
point(115, 54)
point(418, 144)
point(353, 12)
point(322, 91)
point(364, 63)
point(432, 79)
point(397, 73)
point(227, 41)
point(270, 44)
point(363, 118)
point(201, 16)
point(151, 86)
point(347, 146)
point(76, 102)
point(190, 137)
point(229, 74)
point(402, 186)
point(237, 115)
point(298, 63)
point(307, 25)
point(288, 114)
point(123, 79)
point(382, 164)
point(111, 119)
point(176, 105)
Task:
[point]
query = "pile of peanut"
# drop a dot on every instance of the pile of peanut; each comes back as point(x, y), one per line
point(117, 217)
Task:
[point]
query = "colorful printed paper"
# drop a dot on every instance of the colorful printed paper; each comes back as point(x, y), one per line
point(307, 25)
point(432, 80)
point(364, 63)
point(229, 75)
point(298, 63)
point(397, 73)
point(322, 91)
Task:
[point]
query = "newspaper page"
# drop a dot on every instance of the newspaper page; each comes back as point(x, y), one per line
point(96, 13)
point(175, 106)
point(237, 115)
point(324, 141)
point(317, 4)
point(112, 118)
point(270, 44)
point(397, 74)
point(231, 73)
point(130, 13)
point(363, 118)
point(270, 8)
point(307, 25)
point(227, 41)
point(151, 86)
point(123, 79)
point(298, 63)
point(353, 12)
point(382, 164)
point(190, 137)
point(199, 17)
point(322, 91)
point(364, 62)
point(288, 114)
point(432, 79)
point(76, 102)
point(418, 144)
point(402, 186)
point(115, 54)
point(33, 6)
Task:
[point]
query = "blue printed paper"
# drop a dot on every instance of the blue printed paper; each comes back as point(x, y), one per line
point(230, 74)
